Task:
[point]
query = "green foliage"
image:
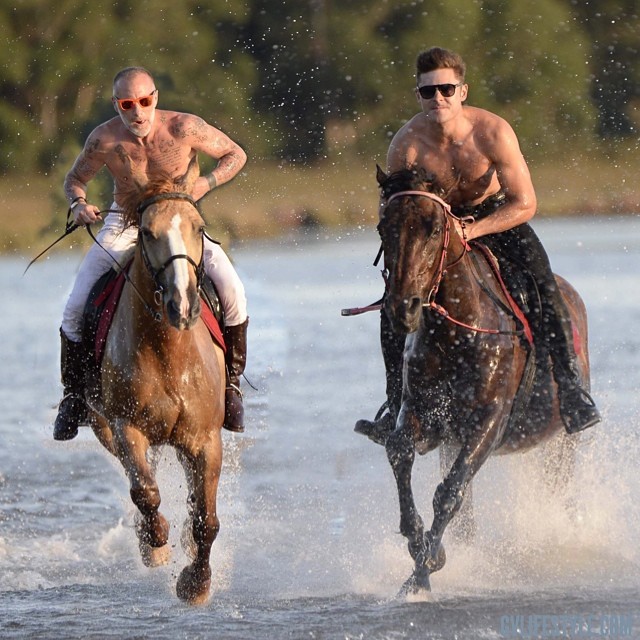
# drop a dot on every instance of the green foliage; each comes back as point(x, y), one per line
point(303, 79)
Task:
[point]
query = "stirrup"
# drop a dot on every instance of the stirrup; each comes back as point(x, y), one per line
point(581, 413)
point(378, 429)
point(72, 413)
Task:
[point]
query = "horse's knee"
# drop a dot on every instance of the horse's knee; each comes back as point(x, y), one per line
point(400, 450)
point(145, 497)
point(447, 499)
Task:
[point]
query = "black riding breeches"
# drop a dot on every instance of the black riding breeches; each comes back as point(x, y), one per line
point(519, 250)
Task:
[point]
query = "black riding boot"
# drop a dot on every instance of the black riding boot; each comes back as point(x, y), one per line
point(577, 409)
point(72, 410)
point(392, 344)
point(235, 339)
point(551, 323)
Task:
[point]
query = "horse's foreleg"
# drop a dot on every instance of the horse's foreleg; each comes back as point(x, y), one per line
point(194, 582)
point(152, 528)
point(450, 493)
point(401, 454)
point(463, 526)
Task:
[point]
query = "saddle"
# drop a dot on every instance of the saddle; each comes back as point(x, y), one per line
point(103, 302)
point(521, 290)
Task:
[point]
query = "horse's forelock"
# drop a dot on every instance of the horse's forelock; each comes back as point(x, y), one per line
point(410, 179)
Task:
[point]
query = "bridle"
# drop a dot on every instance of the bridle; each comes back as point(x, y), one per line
point(442, 266)
point(430, 302)
point(156, 273)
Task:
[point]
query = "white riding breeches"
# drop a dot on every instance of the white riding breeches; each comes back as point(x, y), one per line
point(118, 243)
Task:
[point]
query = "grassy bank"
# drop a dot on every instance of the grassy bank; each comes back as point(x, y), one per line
point(269, 199)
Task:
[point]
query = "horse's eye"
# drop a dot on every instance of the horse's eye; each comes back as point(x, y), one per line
point(146, 233)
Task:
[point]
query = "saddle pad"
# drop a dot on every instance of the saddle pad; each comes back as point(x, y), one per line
point(108, 301)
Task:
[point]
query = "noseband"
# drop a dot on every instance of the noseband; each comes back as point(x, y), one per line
point(156, 273)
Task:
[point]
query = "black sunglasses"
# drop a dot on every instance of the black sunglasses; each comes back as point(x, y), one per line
point(446, 90)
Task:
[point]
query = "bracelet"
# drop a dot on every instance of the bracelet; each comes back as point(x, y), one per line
point(75, 202)
point(211, 179)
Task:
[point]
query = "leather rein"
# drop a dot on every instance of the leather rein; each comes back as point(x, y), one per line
point(155, 273)
point(443, 266)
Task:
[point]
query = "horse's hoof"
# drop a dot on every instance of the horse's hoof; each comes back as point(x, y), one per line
point(417, 585)
point(194, 585)
point(154, 556)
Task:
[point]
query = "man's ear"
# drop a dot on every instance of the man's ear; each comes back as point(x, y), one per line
point(115, 105)
point(464, 92)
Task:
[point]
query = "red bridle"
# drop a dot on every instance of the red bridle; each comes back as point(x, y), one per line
point(442, 267)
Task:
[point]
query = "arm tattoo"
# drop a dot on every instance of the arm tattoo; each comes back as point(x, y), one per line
point(227, 168)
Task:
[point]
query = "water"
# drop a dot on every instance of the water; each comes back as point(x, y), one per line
point(309, 545)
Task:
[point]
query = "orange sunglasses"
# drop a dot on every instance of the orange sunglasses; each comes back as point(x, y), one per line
point(127, 103)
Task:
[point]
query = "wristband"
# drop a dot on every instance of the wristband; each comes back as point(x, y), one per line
point(76, 201)
point(211, 179)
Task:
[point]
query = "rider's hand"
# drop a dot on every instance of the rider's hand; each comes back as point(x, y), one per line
point(86, 213)
point(463, 230)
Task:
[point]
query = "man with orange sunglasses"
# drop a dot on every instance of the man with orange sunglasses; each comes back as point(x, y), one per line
point(145, 140)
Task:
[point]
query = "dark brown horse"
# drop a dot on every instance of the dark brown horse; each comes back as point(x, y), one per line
point(467, 381)
point(162, 379)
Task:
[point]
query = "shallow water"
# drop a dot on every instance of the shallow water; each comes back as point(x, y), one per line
point(308, 546)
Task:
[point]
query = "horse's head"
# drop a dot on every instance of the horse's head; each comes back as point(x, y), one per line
point(170, 242)
point(413, 227)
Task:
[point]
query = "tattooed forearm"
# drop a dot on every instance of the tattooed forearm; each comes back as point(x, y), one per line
point(228, 167)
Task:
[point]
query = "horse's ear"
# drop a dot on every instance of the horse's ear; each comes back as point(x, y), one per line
point(138, 175)
point(187, 181)
point(381, 176)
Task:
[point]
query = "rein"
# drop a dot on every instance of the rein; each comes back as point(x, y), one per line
point(443, 266)
point(155, 273)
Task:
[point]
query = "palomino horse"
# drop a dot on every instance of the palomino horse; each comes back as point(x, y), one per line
point(162, 379)
point(464, 359)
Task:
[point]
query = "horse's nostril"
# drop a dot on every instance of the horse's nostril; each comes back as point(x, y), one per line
point(413, 305)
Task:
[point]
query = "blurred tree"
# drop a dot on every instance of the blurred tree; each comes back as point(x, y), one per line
point(299, 79)
point(524, 62)
point(613, 28)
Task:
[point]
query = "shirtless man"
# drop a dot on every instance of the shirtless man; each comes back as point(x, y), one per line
point(477, 152)
point(150, 141)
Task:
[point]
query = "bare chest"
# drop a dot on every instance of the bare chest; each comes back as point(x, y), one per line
point(164, 155)
point(463, 170)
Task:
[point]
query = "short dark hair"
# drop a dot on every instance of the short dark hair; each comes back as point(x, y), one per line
point(130, 71)
point(438, 58)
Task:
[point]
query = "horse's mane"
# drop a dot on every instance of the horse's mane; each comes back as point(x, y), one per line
point(131, 198)
point(413, 178)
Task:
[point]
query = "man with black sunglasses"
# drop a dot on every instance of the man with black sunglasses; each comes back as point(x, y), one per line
point(143, 140)
point(476, 156)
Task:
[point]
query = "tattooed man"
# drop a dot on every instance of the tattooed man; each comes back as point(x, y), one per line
point(144, 140)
